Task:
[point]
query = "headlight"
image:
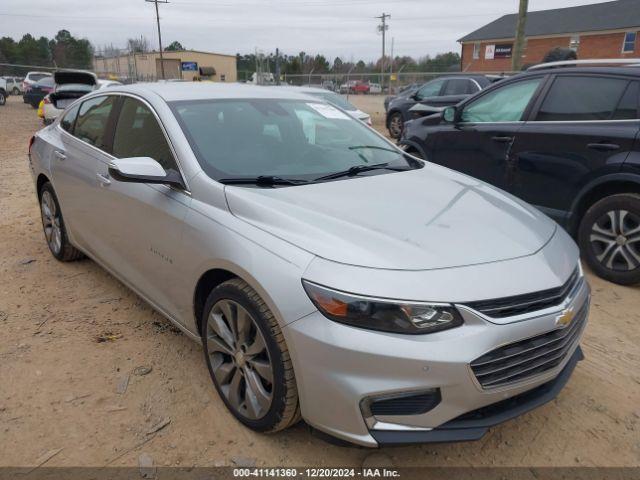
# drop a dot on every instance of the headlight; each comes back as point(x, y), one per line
point(384, 315)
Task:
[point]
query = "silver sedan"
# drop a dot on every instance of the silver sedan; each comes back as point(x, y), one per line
point(328, 275)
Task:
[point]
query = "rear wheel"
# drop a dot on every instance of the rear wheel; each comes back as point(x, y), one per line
point(609, 237)
point(395, 125)
point(3, 98)
point(54, 229)
point(248, 359)
point(16, 91)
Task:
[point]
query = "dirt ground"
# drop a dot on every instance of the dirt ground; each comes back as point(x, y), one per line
point(71, 336)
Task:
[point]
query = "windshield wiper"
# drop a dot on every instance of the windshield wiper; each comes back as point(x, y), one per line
point(262, 180)
point(373, 147)
point(350, 172)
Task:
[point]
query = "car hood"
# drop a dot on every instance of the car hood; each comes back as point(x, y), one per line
point(416, 220)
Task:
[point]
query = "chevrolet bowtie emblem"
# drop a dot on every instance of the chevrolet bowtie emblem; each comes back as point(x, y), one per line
point(565, 317)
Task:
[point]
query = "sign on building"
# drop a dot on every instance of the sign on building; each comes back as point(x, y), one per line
point(503, 51)
point(189, 66)
point(498, 51)
point(489, 52)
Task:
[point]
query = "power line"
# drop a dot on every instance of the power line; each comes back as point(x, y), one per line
point(383, 27)
point(159, 35)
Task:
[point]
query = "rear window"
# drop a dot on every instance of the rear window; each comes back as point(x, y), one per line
point(574, 98)
point(628, 107)
point(38, 76)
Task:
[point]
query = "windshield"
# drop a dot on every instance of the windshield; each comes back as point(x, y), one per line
point(290, 139)
point(334, 99)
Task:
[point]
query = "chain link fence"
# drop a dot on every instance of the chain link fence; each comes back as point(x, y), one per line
point(373, 83)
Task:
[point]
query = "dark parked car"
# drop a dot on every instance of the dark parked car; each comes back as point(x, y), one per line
point(404, 91)
point(38, 91)
point(438, 93)
point(566, 140)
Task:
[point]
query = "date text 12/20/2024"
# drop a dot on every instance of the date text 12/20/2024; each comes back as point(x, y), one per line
point(316, 473)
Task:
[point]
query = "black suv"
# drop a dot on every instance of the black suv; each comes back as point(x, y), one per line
point(437, 93)
point(566, 140)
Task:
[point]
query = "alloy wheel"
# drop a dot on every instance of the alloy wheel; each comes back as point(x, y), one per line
point(51, 222)
point(615, 240)
point(239, 359)
point(395, 126)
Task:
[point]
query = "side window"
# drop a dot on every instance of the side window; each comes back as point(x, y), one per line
point(504, 104)
point(92, 120)
point(574, 98)
point(459, 86)
point(69, 119)
point(138, 134)
point(628, 107)
point(431, 89)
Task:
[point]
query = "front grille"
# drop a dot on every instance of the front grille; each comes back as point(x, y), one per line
point(529, 302)
point(527, 358)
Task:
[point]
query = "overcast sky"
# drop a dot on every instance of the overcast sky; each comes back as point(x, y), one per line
point(345, 28)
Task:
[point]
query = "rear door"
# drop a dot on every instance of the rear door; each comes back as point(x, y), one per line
point(480, 141)
point(74, 167)
point(582, 127)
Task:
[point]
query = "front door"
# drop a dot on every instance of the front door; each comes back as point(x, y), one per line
point(145, 222)
point(584, 127)
point(479, 143)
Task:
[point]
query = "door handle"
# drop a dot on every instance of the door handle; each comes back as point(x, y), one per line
point(103, 179)
point(603, 147)
point(59, 155)
point(502, 139)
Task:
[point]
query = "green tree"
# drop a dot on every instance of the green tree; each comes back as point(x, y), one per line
point(174, 47)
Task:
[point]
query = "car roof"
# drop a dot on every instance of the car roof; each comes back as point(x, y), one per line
point(177, 91)
point(631, 71)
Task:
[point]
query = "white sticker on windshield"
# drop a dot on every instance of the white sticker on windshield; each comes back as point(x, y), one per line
point(328, 111)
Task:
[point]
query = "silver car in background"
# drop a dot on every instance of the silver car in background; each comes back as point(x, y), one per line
point(328, 275)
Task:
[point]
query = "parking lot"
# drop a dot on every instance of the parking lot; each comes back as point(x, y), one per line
point(91, 376)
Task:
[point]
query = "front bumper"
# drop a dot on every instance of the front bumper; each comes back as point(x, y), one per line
point(338, 366)
point(474, 425)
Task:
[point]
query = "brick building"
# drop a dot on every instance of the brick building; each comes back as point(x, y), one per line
point(601, 30)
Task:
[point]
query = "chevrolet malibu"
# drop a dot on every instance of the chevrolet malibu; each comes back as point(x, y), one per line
point(328, 275)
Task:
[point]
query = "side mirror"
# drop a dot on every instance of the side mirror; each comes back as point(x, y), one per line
point(143, 170)
point(449, 114)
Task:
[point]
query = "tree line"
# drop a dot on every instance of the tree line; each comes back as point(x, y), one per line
point(62, 51)
point(304, 63)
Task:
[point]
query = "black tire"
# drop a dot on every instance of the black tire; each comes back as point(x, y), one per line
point(16, 91)
point(3, 97)
point(284, 408)
point(34, 105)
point(395, 124)
point(61, 249)
point(609, 237)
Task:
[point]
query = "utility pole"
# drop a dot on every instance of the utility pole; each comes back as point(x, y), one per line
point(518, 47)
point(383, 27)
point(159, 35)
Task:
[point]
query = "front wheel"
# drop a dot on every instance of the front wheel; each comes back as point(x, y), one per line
point(16, 91)
point(609, 237)
point(395, 125)
point(248, 359)
point(3, 98)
